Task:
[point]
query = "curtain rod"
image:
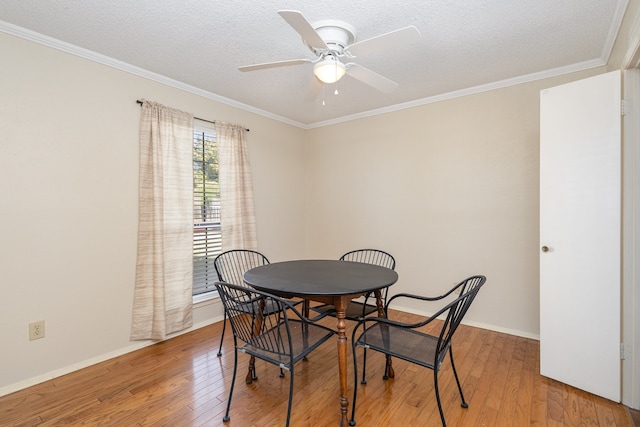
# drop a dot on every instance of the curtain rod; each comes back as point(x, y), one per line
point(197, 118)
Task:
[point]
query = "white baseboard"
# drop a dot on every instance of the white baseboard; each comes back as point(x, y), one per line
point(494, 328)
point(12, 388)
point(141, 344)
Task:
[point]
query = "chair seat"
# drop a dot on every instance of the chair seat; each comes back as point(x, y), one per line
point(251, 307)
point(408, 344)
point(354, 310)
point(304, 338)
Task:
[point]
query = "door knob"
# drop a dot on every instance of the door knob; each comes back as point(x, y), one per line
point(545, 249)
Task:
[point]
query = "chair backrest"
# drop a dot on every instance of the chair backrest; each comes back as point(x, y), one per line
point(456, 310)
point(231, 265)
point(371, 256)
point(245, 308)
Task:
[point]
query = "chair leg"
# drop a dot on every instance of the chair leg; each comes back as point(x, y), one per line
point(224, 326)
point(305, 312)
point(352, 422)
point(290, 395)
point(455, 374)
point(226, 417)
point(435, 382)
point(364, 367)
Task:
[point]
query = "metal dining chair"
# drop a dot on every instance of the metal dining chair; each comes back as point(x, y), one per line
point(356, 310)
point(275, 338)
point(230, 267)
point(406, 341)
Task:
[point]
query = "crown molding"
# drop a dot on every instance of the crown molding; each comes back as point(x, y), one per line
point(123, 66)
point(69, 48)
point(468, 91)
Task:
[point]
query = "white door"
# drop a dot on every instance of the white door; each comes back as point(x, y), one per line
point(580, 220)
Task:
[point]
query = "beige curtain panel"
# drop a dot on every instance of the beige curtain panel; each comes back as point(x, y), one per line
point(164, 271)
point(237, 210)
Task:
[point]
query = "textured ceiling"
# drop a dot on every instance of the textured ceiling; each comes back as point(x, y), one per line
point(466, 45)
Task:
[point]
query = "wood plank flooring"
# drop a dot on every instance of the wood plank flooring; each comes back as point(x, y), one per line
point(181, 382)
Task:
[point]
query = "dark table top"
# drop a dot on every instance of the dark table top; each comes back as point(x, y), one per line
point(319, 278)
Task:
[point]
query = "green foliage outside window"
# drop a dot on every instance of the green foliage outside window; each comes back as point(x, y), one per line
point(205, 179)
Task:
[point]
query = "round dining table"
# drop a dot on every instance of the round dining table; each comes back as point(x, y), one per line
point(330, 282)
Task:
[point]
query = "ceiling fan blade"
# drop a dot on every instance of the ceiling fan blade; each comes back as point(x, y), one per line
point(403, 36)
point(304, 28)
point(273, 64)
point(371, 78)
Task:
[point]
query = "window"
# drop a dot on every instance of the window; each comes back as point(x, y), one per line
point(207, 239)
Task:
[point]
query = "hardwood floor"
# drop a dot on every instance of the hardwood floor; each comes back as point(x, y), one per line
point(181, 382)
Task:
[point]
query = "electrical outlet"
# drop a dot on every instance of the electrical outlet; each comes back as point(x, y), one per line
point(36, 330)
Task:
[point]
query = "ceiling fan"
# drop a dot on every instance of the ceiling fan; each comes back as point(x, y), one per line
point(331, 41)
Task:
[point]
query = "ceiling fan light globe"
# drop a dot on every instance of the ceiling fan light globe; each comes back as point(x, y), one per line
point(329, 70)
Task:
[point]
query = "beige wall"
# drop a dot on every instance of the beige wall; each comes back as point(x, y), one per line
point(68, 186)
point(450, 188)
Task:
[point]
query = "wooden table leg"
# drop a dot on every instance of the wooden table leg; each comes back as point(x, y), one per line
point(251, 374)
point(388, 370)
point(341, 312)
point(305, 307)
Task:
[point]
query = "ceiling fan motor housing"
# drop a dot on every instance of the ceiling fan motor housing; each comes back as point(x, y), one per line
point(336, 34)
